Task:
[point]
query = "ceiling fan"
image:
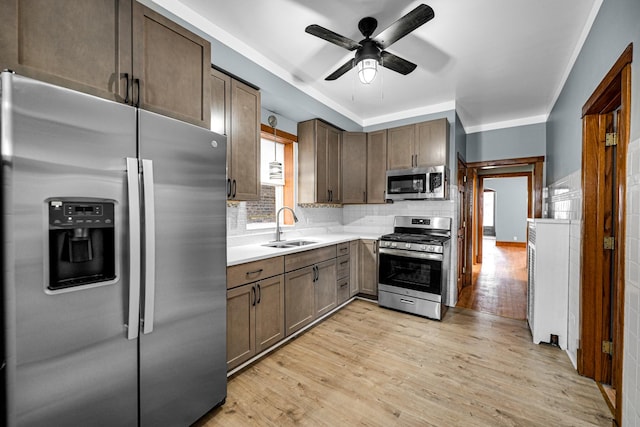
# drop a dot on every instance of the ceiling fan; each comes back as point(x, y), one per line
point(371, 51)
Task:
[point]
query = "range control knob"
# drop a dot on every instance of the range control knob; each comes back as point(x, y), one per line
point(407, 245)
point(423, 247)
point(393, 245)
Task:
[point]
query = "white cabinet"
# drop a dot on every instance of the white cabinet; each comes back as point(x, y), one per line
point(548, 279)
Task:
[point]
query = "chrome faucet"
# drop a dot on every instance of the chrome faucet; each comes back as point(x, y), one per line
point(278, 232)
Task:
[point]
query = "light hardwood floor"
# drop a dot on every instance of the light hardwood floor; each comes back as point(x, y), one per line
point(371, 366)
point(499, 283)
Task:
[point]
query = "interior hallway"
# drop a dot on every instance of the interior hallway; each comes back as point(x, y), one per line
point(499, 283)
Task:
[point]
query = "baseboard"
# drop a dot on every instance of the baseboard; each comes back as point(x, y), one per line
point(512, 244)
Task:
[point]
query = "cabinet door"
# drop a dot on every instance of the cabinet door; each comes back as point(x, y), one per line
point(321, 153)
point(220, 103)
point(299, 299)
point(376, 166)
point(269, 312)
point(326, 296)
point(400, 154)
point(368, 267)
point(431, 145)
point(245, 142)
point(241, 338)
point(334, 165)
point(85, 46)
point(173, 67)
point(354, 263)
point(354, 167)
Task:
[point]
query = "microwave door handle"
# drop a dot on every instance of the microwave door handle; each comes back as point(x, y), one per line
point(149, 246)
point(133, 322)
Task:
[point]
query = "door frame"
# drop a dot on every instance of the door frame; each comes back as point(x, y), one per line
point(534, 191)
point(613, 92)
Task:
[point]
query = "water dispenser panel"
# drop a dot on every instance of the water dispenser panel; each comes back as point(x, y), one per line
point(81, 242)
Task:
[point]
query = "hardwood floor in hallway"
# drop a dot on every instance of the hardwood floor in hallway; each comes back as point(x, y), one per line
point(370, 366)
point(499, 283)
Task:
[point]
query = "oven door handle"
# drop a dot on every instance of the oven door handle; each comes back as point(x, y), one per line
point(410, 254)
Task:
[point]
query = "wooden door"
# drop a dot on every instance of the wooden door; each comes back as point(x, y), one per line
point(325, 287)
point(400, 142)
point(354, 251)
point(334, 165)
point(462, 225)
point(85, 46)
point(368, 267)
point(245, 141)
point(171, 66)
point(299, 299)
point(432, 143)
point(241, 338)
point(376, 166)
point(603, 261)
point(354, 167)
point(269, 312)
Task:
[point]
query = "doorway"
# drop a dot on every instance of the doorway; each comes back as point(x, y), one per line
point(498, 284)
point(605, 136)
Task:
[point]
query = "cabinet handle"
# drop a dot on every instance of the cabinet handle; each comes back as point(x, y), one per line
point(253, 292)
point(228, 187)
point(364, 196)
point(137, 83)
point(259, 293)
point(342, 285)
point(249, 273)
point(344, 262)
point(126, 96)
point(233, 192)
point(406, 301)
point(315, 273)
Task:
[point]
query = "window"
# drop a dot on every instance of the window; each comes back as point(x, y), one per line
point(274, 193)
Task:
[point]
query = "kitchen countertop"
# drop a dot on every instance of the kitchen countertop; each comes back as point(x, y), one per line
point(255, 251)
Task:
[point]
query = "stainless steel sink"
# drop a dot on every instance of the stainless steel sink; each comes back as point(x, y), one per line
point(289, 244)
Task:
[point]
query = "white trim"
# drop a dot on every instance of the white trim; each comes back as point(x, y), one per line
point(414, 112)
point(508, 124)
point(576, 51)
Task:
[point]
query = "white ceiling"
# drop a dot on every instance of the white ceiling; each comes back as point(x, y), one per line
point(499, 63)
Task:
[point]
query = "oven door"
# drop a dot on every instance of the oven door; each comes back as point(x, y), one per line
point(419, 271)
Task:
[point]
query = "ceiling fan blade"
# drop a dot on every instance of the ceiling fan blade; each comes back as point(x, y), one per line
point(395, 63)
point(340, 71)
point(330, 36)
point(403, 26)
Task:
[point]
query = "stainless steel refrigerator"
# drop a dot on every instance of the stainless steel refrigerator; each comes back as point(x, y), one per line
point(113, 260)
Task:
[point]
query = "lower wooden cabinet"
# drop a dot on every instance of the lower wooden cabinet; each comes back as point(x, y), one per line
point(255, 319)
point(325, 291)
point(368, 267)
point(299, 301)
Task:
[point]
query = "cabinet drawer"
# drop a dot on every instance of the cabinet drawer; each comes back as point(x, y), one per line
point(306, 258)
point(343, 290)
point(253, 271)
point(343, 249)
point(342, 267)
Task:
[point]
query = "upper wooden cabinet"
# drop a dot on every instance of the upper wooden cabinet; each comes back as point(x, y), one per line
point(118, 50)
point(235, 112)
point(364, 163)
point(418, 145)
point(354, 167)
point(319, 166)
point(376, 166)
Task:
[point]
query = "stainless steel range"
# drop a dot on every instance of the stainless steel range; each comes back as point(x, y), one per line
point(413, 266)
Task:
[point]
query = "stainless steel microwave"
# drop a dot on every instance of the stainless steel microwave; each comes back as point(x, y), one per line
point(428, 183)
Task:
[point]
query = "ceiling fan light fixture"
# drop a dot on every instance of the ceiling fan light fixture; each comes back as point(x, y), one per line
point(367, 70)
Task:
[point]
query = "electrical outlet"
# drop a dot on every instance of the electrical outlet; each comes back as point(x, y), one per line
point(515, 238)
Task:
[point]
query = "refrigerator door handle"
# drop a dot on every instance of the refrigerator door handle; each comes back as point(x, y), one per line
point(149, 246)
point(133, 323)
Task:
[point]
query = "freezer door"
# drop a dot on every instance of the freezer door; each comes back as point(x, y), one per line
point(183, 348)
point(69, 360)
